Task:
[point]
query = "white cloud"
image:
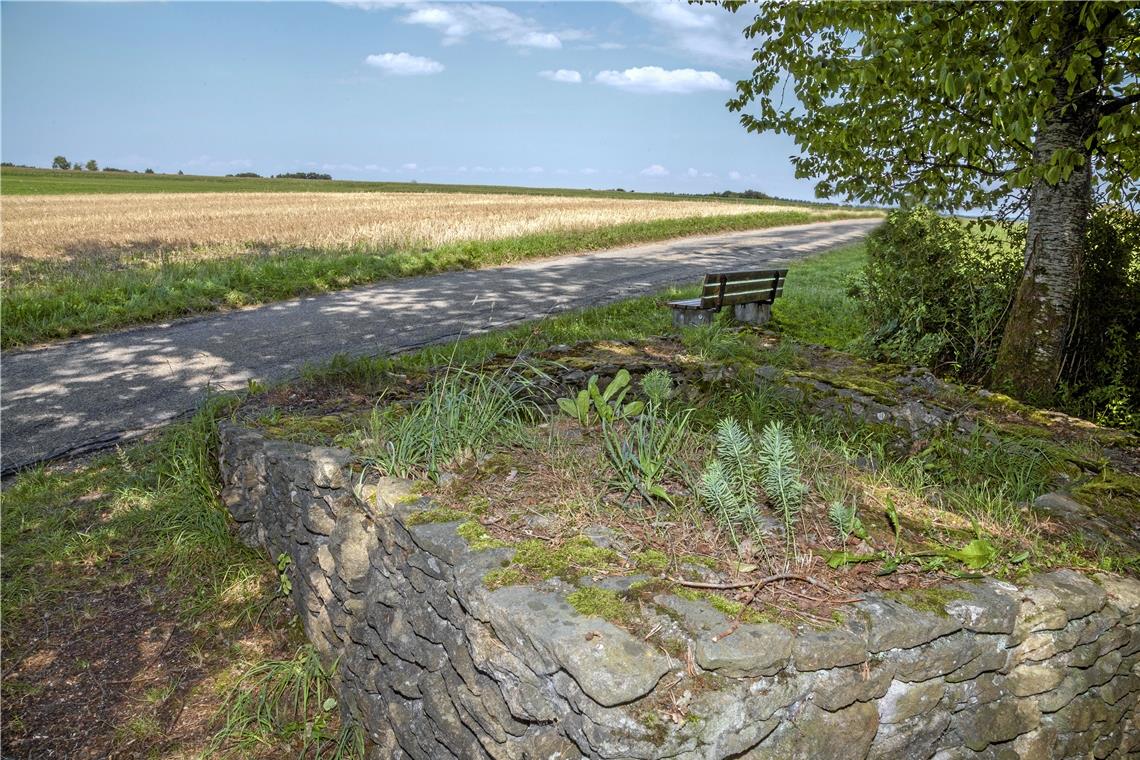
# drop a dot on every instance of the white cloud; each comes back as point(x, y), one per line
point(657, 79)
point(455, 21)
point(409, 167)
point(569, 76)
point(404, 64)
point(535, 170)
point(692, 172)
point(655, 170)
point(588, 170)
point(708, 33)
point(735, 175)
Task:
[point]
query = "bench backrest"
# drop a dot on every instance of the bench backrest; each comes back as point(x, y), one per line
point(730, 288)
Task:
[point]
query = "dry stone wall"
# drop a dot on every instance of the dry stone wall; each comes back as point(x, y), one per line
point(433, 664)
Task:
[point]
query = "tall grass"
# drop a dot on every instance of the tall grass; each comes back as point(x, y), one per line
point(815, 306)
point(462, 414)
point(286, 701)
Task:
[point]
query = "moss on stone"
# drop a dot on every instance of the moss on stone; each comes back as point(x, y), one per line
point(1111, 493)
point(435, 515)
point(577, 556)
point(599, 602)
point(932, 600)
point(507, 576)
point(309, 430)
point(726, 607)
point(477, 536)
point(650, 560)
point(855, 379)
point(694, 559)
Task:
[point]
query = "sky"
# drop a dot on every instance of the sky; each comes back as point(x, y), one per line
point(562, 94)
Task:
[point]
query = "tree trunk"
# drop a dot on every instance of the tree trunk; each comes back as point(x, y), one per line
point(1032, 350)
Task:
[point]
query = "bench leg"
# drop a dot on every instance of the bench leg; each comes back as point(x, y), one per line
point(752, 313)
point(693, 317)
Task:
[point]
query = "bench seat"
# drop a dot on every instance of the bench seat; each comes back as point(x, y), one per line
point(750, 293)
point(691, 303)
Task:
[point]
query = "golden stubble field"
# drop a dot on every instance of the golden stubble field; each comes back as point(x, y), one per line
point(218, 225)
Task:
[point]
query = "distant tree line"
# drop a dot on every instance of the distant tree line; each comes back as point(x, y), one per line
point(61, 162)
point(302, 175)
point(287, 175)
point(756, 194)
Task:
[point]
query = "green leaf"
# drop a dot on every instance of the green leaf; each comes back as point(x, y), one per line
point(328, 704)
point(839, 559)
point(568, 406)
point(889, 566)
point(1018, 558)
point(621, 380)
point(976, 554)
point(893, 519)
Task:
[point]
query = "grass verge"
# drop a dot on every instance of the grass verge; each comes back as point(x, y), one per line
point(815, 307)
point(52, 303)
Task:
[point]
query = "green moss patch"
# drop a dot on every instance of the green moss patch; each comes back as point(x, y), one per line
point(727, 607)
point(651, 560)
point(574, 558)
point(1112, 493)
point(602, 603)
point(932, 600)
point(477, 537)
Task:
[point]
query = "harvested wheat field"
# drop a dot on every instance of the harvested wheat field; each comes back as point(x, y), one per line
point(213, 225)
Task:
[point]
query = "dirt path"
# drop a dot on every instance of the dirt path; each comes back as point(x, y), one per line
point(80, 395)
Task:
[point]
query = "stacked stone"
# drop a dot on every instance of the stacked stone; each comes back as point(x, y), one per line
point(433, 664)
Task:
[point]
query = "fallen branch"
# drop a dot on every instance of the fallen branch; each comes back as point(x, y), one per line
point(755, 585)
point(749, 584)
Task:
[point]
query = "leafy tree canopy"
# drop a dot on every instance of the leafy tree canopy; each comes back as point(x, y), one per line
point(941, 102)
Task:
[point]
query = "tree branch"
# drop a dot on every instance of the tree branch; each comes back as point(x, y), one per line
point(1119, 104)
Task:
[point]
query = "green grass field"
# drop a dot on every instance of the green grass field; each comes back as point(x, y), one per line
point(21, 181)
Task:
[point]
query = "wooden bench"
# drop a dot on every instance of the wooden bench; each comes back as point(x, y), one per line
point(750, 294)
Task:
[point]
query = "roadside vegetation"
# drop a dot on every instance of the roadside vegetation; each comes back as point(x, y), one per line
point(88, 263)
point(703, 475)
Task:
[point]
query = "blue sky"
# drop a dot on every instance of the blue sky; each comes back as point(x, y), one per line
point(561, 94)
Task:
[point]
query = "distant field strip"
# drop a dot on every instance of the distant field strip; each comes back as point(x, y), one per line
point(194, 226)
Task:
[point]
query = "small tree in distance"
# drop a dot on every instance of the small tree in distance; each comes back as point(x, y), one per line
point(92, 166)
point(59, 162)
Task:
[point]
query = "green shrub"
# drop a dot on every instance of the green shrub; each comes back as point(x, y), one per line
point(1102, 375)
point(935, 291)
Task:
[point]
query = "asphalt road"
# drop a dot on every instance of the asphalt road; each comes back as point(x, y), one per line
point(80, 395)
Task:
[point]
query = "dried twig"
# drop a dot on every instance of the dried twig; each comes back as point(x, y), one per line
point(756, 586)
